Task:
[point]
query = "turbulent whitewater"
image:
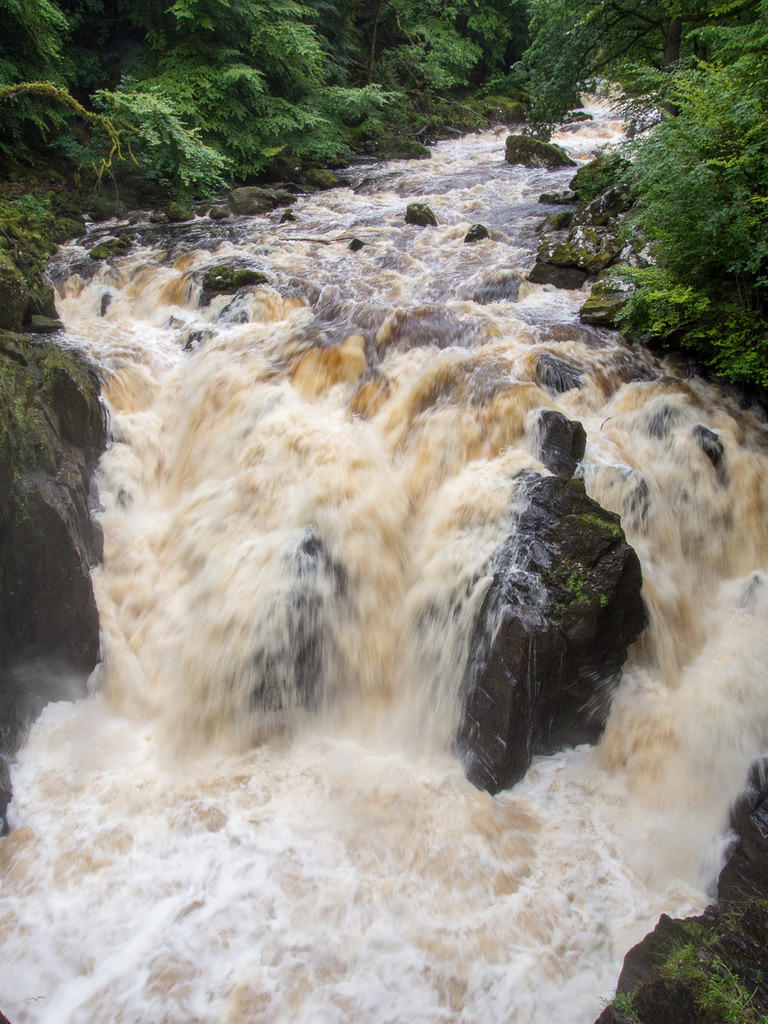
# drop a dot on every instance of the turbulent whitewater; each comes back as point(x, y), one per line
point(256, 815)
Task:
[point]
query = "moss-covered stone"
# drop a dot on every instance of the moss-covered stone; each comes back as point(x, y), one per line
point(396, 147)
point(321, 178)
point(111, 247)
point(218, 213)
point(610, 293)
point(604, 172)
point(226, 280)
point(177, 213)
point(14, 295)
point(476, 233)
point(420, 214)
point(531, 152)
point(589, 249)
point(251, 200)
point(503, 110)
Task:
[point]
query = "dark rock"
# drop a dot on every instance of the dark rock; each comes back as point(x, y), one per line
point(729, 938)
point(110, 248)
point(503, 287)
point(218, 213)
point(476, 233)
point(560, 277)
point(356, 244)
point(106, 301)
point(556, 374)
point(287, 217)
point(252, 199)
point(552, 634)
point(226, 280)
point(52, 432)
point(158, 217)
point(6, 793)
point(531, 152)
point(420, 214)
point(295, 666)
point(560, 442)
point(712, 446)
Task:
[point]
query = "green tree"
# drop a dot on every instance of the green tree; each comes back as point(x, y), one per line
point(701, 180)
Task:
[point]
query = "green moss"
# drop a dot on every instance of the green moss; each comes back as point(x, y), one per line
point(226, 280)
point(590, 519)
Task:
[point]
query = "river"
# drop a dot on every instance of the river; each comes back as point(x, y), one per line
point(187, 846)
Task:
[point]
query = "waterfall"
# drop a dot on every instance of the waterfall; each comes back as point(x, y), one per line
point(257, 815)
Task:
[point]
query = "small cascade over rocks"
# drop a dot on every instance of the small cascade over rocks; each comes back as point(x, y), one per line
point(372, 517)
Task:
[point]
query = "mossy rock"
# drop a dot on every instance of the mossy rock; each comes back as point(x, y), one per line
point(503, 110)
point(110, 248)
point(556, 221)
point(530, 152)
point(226, 280)
point(177, 213)
point(604, 172)
point(609, 295)
point(420, 214)
point(589, 249)
point(476, 233)
point(251, 200)
point(397, 147)
point(218, 213)
point(14, 295)
point(321, 178)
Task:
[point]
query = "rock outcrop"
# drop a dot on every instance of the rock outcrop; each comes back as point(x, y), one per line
point(552, 634)
point(713, 968)
point(52, 431)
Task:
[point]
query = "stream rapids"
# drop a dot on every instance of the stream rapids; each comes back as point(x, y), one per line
point(181, 852)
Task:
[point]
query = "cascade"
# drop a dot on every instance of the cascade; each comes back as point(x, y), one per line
point(257, 814)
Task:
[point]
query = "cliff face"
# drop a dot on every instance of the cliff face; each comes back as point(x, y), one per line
point(711, 969)
point(52, 431)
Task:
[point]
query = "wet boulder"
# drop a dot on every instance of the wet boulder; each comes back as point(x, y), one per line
point(556, 374)
point(531, 152)
point(250, 200)
point(590, 249)
point(111, 247)
point(53, 431)
point(561, 277)
point(227, 280)
point(609, 295)
point(421, 215)
point(552, 634)
point(560, 442)
point(476, 233)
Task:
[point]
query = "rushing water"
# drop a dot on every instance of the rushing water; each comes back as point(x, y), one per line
point(256, 816)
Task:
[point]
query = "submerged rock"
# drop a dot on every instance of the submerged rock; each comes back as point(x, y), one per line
point(552, 634)
point(53, 431)
point(531, 152)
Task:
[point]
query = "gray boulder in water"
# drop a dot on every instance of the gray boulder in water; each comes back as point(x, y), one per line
point(552, 634)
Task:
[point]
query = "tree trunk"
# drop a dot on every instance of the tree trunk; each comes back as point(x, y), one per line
point(672, 42)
